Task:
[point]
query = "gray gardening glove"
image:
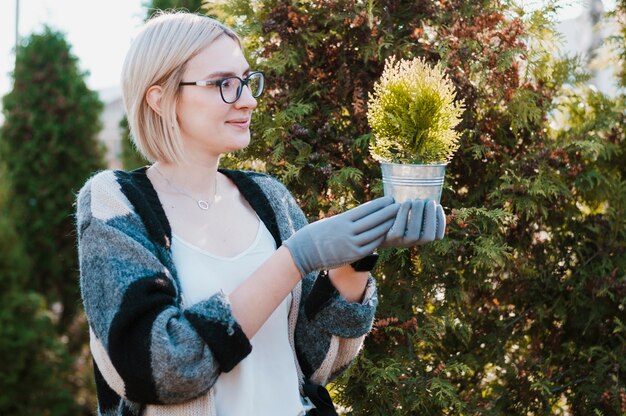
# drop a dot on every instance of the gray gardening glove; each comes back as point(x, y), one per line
point(417, 222)
point(343, 238)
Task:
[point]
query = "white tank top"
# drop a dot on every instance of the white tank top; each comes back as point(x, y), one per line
point(265, 383)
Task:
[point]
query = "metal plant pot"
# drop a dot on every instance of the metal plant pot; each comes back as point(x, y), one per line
point(406, 181)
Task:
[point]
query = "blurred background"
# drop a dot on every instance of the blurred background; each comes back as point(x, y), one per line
point(520, 310)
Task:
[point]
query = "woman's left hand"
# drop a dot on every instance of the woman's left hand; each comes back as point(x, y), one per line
point(417, 222)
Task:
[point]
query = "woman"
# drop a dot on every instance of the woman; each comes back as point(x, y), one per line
point(202, 286)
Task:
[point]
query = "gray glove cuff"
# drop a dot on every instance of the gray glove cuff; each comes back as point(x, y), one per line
point(299, 256)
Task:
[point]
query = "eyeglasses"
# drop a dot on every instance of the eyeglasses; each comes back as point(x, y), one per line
point(231, 87)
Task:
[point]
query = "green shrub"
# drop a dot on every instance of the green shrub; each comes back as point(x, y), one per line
point(49, 148)
point(130, 157)
point(194, 6)
point(48, 142)
point(34, 363)
point(519, 309)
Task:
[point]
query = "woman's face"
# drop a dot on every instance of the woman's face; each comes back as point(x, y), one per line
point(209, 125)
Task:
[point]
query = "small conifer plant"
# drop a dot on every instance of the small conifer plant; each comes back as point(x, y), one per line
point(413, 113)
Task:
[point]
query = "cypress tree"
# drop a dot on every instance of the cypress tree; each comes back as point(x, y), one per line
point(49, 146)
point(34, 363)
point(520, 309)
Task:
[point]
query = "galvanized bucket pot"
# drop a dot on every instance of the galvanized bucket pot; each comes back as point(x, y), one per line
point(406, 181)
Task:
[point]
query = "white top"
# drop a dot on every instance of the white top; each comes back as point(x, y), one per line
point(266, 381)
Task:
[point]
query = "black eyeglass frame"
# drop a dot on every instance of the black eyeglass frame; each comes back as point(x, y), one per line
point(242, 83)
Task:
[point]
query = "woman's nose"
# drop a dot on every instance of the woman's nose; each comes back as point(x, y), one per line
point(246, 100)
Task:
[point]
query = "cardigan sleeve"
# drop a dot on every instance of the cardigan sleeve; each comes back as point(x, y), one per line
point(147, 347)
point(330, 330)
point(324, 306)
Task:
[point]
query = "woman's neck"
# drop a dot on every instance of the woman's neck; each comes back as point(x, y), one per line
point(196, 178)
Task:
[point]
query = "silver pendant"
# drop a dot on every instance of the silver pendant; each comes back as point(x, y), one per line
point(204, 205)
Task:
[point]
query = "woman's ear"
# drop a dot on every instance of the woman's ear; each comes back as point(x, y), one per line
point(153, 97)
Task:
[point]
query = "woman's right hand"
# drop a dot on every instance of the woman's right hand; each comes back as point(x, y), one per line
point(343, 238)
point(418, 222)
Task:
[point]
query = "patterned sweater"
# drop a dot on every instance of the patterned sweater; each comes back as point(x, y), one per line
point(152, 354)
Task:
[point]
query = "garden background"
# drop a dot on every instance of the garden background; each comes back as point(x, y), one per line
point(520, 310)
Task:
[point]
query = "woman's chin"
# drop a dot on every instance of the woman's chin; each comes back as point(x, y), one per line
point(239, 143)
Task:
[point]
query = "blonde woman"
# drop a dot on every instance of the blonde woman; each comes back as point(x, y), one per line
point(206, 291)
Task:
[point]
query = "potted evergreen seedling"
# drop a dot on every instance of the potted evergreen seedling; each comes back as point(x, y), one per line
point(413, 113)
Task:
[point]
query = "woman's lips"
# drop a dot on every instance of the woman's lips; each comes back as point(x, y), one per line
point(240, 123)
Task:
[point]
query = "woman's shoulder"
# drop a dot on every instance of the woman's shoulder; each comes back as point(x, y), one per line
point(265, 181)
point(102, 195)
point(123, 197)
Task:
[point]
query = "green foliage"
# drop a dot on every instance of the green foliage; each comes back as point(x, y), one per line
point(193, 6)
point(48, 144)
point(50, 148)
point(620, 15)
point(514, 312)
point(34, 364)
point(413, 113)
point(131, 158)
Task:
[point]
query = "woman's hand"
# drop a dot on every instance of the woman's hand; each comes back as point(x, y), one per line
point(343, 238)
point(417, 222)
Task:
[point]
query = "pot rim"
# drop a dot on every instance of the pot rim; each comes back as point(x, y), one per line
point(414, 164)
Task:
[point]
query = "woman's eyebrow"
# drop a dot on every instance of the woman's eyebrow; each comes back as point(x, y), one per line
point(224, 74)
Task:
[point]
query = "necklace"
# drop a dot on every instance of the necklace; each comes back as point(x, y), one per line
point(202, 204)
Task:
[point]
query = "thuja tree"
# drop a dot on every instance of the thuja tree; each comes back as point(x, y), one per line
point(48, 142)
point(33, 362)
point(520, 309)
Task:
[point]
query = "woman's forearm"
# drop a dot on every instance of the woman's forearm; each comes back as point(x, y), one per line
point(349, 283)
point(256, 299)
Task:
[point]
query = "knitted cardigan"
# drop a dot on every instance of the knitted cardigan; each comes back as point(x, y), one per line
point(152, 354)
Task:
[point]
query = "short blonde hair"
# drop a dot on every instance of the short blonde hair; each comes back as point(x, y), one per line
point(158, 56)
